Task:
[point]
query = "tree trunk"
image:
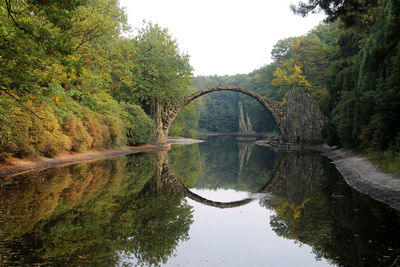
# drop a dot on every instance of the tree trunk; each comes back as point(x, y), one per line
point(161, 134)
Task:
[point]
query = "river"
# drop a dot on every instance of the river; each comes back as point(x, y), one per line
point(217, 203)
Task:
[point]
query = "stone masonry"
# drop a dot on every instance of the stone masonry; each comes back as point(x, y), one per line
point(302, 120)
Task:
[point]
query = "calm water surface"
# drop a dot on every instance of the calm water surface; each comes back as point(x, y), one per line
point(218, 203)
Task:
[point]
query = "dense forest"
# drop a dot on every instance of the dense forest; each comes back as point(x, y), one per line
point(71, 79)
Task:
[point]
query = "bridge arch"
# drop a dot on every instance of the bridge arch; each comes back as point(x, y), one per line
point(299, 119)
point(171, 111)
point(273, 106)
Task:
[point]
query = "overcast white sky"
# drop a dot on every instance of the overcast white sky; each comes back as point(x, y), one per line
point(223, 36)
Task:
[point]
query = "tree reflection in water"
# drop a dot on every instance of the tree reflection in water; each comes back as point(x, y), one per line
point(90, 214)
point(314, 205)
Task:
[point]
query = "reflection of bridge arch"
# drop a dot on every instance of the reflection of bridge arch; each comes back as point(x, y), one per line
point(221, 205)
point(169, 178)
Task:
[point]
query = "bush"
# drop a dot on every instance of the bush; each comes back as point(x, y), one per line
point(50, 144)
point(94, 129)
point(139, 126)
point(117, 131)
point(49, 138)
point(80, 138)
point(15, 130)
point(57, 123)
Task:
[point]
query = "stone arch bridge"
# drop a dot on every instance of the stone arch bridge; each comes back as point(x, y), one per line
point(299, 119)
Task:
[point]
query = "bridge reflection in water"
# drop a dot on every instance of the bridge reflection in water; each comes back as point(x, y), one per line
point(298, 174)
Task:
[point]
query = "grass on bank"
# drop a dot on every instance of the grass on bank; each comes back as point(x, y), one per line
point(388, 161)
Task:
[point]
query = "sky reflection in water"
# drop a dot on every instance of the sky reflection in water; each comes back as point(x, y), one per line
point(237, 237)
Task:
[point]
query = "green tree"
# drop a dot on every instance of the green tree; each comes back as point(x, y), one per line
point(282, 49)
point(156, 73)
point(347, 10)
point(161, 71)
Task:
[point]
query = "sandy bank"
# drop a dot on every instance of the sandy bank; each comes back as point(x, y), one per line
point(15, 166)
point(363, 176)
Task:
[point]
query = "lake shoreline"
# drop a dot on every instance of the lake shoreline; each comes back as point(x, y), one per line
point(16, 166)
point(363, 176)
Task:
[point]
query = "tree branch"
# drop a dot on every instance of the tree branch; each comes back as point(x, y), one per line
point(6, 91)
